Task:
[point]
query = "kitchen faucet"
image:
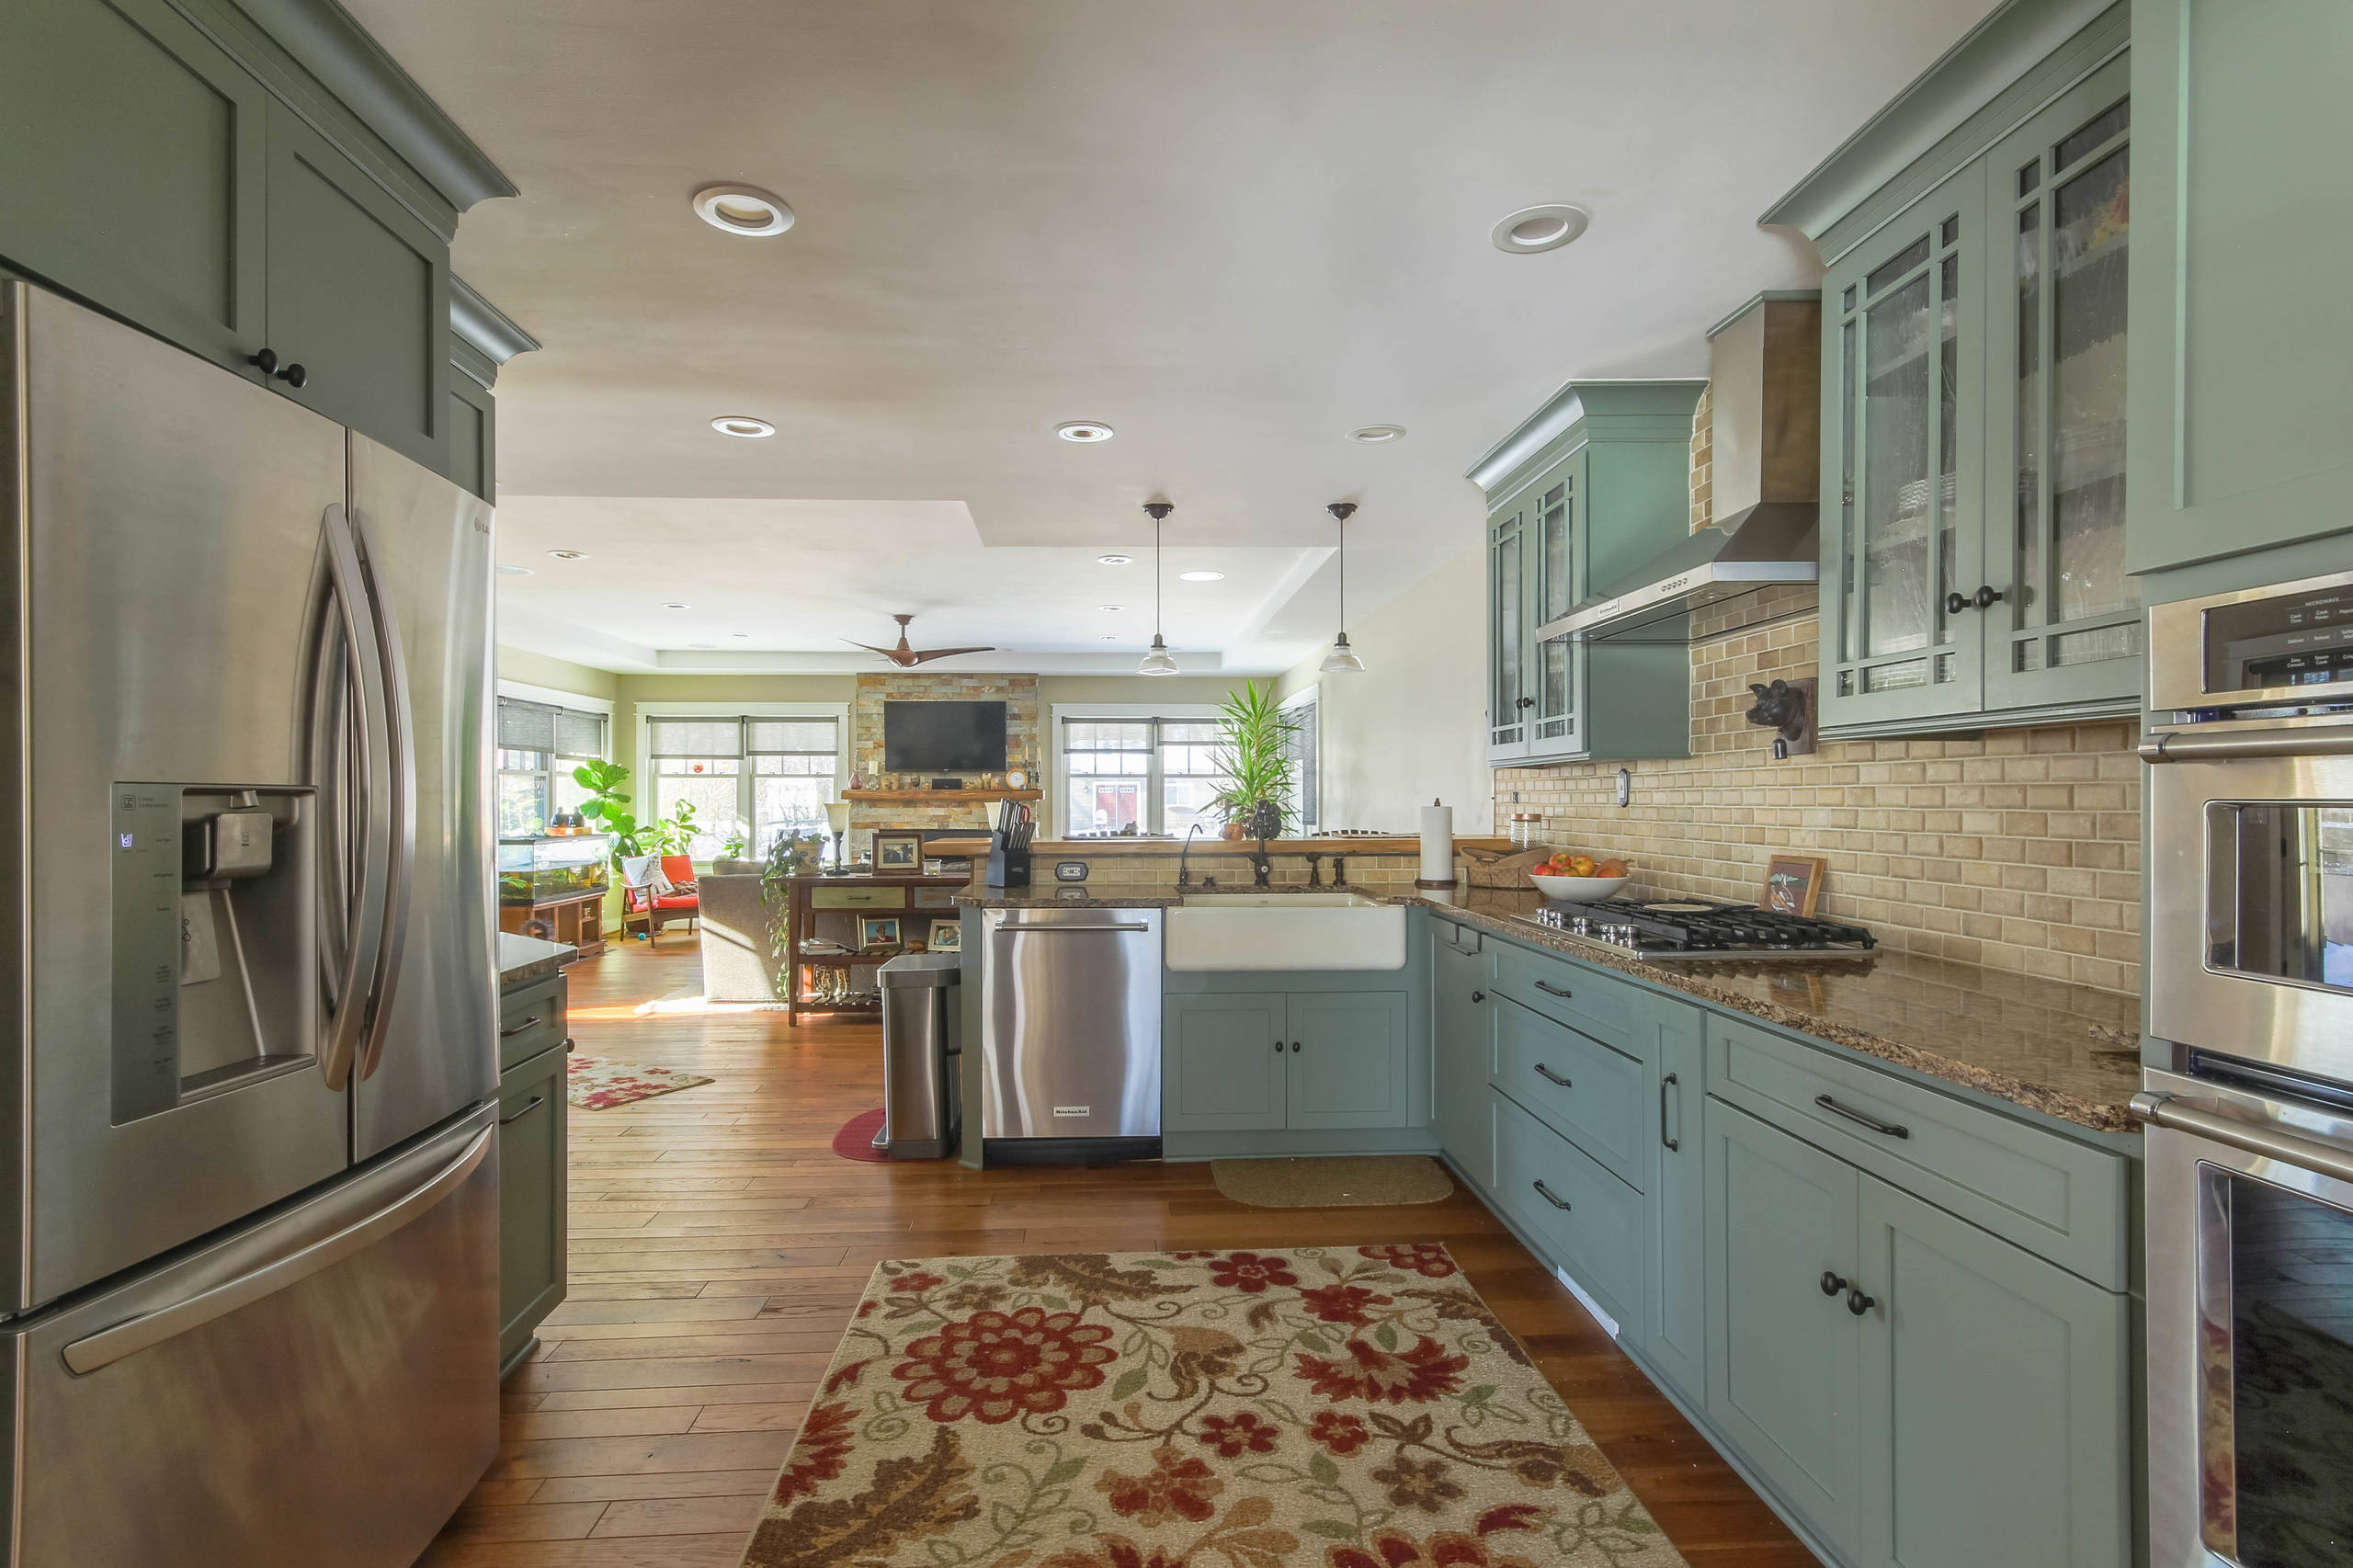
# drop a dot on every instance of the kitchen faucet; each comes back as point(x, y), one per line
point(1184, 858)
point(1262, 864)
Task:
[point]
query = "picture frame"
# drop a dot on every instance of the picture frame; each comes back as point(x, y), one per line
point(946, 934)
point(878, 931)
point(897, 853)
point(1793, 884)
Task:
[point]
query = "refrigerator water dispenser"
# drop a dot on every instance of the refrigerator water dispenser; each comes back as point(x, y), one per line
point(215, 901)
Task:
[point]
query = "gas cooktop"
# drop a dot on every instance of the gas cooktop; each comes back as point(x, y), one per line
point(1690, 929)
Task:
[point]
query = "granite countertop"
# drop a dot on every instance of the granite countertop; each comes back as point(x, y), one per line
point(2069, 1051)
point(1048, 897)
point(523, 960)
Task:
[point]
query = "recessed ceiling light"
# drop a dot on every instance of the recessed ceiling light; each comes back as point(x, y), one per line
point(1201, 576)
point(1114, 559)
point(506, 570)
point(742, 635)
point(673, 604)
point(742, 425)
point(1111, 609)
point(1085, 430)
point(569, 554)
point(1108, 637)
point(702, 644)
point(1532, 229)
point(744, 210)
point(1374, 434)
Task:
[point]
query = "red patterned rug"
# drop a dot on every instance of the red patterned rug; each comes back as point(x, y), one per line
point(1340, 1407)
point(593, 1084)
point(856, 1140)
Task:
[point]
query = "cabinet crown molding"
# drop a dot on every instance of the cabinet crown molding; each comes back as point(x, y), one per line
point(483, 327)
point(1584, 401)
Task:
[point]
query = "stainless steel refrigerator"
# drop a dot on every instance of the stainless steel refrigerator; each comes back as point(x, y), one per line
point(248, 1147)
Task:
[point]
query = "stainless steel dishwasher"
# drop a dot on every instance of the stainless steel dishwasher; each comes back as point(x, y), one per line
point(1070, 1036)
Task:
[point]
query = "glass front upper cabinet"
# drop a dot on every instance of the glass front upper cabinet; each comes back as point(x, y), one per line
point(1553, 660)
point(2069, 627)
point(1508, 700)
point(1973, 499)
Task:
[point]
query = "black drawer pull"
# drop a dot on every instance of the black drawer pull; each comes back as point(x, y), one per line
point(535, 1103)
point(531, 1022)
point(1831, 1283)
point(1552, 1077)
point(1546, 1194)
point(1674, 1145)
point(1858, 1303)
point(1555, 990)
point(1835, 1108)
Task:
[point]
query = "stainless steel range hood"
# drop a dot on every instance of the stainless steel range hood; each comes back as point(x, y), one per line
point(1765, 367)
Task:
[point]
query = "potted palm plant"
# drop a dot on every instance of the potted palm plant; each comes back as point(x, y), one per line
point(1253, 736)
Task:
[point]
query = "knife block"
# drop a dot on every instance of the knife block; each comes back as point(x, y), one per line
point(1008, 867)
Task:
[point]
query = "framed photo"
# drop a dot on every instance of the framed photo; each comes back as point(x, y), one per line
point(898, 853)
point(946, 934)
point(878, 931)
point(1793, 884)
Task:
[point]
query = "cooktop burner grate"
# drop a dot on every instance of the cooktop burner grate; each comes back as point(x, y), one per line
point(1688, 929)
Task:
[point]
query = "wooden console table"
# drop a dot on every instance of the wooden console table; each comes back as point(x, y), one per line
point(832, 906)
point(578, 919)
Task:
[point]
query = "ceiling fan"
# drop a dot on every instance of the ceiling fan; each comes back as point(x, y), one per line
point(907, 657)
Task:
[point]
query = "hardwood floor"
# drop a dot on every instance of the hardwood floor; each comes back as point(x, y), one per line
point(718, 1246)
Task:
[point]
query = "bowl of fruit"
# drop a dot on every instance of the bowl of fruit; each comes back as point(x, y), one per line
point(1580, 879)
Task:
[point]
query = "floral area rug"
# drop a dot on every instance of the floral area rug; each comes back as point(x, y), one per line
point(1353, 1407)
point(593, 1084)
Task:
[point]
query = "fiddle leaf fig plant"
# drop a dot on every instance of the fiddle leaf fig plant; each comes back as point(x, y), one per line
point(1254, 769)
point(608, 805)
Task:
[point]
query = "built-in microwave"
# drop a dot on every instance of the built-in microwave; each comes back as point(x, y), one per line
point(2250, 803)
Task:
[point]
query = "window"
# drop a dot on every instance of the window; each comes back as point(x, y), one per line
point(1154, 774)
point(1303, 750)
point(748, 776)
point(539, 745)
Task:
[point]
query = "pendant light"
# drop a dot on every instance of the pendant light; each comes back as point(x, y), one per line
point(1342, 659)
point(1159, 662)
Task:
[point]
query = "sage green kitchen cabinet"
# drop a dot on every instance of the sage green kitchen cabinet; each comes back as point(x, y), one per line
point(531, 1191)
point(1994, 1400)
point(2241, 326)
point(1585, 490)
point(1675, 1258)
point(1462, 1048)
point(1241, 1062)
point(1349, 1060)
point(1973, 547)
point(472, 436)
point(1224, 1062)
point(358, 296)
point(1784, 1376)
point(132, 152)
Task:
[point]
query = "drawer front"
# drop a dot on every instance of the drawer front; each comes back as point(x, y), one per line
point(936, 898)
point(529, 1020)
point(1591, 1221)
point(1467, 941)
point(857, 898)
point(2063, 1200)
point(1576, 994)
point(1580, 1085)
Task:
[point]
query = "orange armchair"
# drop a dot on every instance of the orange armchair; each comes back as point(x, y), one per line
point(644, 899)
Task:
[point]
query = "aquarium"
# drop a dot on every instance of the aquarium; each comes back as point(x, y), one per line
point(547, 870)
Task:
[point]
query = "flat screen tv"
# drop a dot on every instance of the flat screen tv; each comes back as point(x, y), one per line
point(943, 737)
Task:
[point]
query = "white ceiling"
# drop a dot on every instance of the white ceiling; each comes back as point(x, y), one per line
point(1233, 231)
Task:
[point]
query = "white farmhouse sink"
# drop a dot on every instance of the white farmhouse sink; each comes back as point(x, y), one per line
point(1229, 931)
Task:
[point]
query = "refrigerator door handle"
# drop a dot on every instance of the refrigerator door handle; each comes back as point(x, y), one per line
point(351, 764)
point(149, 1329)
point(401, 806)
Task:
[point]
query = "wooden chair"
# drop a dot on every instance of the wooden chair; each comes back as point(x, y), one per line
point(642, 900)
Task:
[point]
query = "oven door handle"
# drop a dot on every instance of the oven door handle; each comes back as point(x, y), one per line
point(2164, 1110)
point(2172, 745)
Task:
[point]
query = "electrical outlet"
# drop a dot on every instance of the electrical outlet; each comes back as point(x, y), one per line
point(1625, 788)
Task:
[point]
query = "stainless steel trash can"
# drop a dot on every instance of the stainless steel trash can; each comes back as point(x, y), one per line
point(923, 1014)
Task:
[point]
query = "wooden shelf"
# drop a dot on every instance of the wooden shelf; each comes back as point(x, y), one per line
point(941, 797)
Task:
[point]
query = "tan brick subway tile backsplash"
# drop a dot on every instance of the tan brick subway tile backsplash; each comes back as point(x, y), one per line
point(2017, 849)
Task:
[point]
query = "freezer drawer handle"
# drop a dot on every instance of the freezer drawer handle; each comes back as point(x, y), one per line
point(2163, 1110)
point(1074, 930)
point(109, 1345)
point(535, 1102)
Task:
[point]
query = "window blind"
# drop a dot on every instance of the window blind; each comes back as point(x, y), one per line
point(695, 737)
point(526, 726)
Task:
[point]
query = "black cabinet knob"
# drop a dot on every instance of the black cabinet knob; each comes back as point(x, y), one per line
point(294, 376)
point(1525, 702)
point(1831, 1283)
point(1294, 1048)
point(1983, 598)
point(1478, 996)
point(1858, 1303)
point(266, 362)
